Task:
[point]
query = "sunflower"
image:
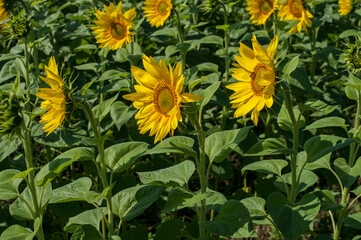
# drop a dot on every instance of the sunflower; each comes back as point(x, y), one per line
point(4, 15)
point(260, 10)
point(345, 6)
point(157, 11)
point(294, 10)
point(113, 27)
point(256, 75)
point(55, 99)
point(158, 97)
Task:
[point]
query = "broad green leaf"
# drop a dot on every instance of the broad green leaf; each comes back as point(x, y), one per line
point(61, 162)
point(120, 157)
point(269, 146)
point(131, 202)
point(121, 113)
point(327, 199)
point(86, 47)
point(171, 230)
point(212, 39)
point(9, 186)
point(207, 94)
point(176, 144)
point(232, 216)
point(292, 219)
point(284, 120)
point(73, 191)
point(89, 217)
point(23, 174)
point(353, 87)
point(347, 174)
point(318, 146)
point(102, 109)
point(171, 32)
point(86, 232)
point(291, 65)
point(220, 144)
point(16, 232)
point(317, 105)
point(112, 75)
point(307, 180)
point(8, 146)
point(328, 122)
point(267, 166)
point(353, 220)
point(348, 33)
point(179, 198)
point(175, 176)
point(255, 206)
point(88, 66)
point(214, 200)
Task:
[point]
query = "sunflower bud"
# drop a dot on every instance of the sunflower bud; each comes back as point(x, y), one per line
point(352, 56)
point(9, 117)
point(19, 27)
point(209, 5)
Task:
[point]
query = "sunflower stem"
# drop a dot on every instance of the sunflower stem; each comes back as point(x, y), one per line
point(27, 75)
point(26, 139)
point(202, 174)
point(353, 152)
point(102, 174)
point(289, 106)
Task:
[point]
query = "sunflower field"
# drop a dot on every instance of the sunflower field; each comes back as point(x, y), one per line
point(180, 119)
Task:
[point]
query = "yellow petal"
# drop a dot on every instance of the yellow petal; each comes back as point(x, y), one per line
point(188, 97)
point(272, 47)
point(260, 53)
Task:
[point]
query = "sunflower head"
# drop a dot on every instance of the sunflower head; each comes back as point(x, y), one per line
point(113, 28)
point(261, 10)
point(9, 113)
point(158, 97)
point(295, 10)
point(255, 73)
point(345, 6)
point(157, 11)
point(55, 98)
point(352, 56)
point(19, 27)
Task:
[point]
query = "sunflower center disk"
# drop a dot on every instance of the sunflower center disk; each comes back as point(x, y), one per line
point(119, 31)
point(258, 89)
point(162, 8)
point(266, 7)
point(296, 8)
point(165, 99)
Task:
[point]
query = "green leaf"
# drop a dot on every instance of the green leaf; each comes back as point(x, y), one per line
point(307, 180)
point(16, 232)
point(85, 87)
point(73, 191)
point(176, 144)
point(291, 65)
point(232, 216)
point(347, 174)
point(179, 198)
point(220, 144)
point(353, 87)
point(327, 199)
point(121, 113)
point(120, 157)
point(171, 230)
point(61, 162)
point(353, 220)
point(212, 39)
point(269, 146)
point(8, 146)
point(267, 166)
point(317, 105)
point(318, 146)
point(292, 219)
point(9, 186)
point(89, 217)
point(255, 206)
point(131, 202)
point(171, 32)
point(207, 94)
point(328, 122)
point(102, 109)
point(284, 120)
point(175, 176)
point(23, 174)
point(86, 232)
point(214, 200)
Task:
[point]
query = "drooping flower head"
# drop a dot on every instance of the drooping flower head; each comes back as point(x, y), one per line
point(294, 10)
point(158, 97)
point(261, 10)
point(345, 6)
point(4, 15)
point(113, 27)
point(157, 11)
point(256, 75)
point(55, 99)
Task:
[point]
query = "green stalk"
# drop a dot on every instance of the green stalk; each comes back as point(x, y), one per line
point(202, 174)
point(353, 151)
point(289, 106)
point(27, 76)
point(103, 174)
point(31, 182)
point(181, 40)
